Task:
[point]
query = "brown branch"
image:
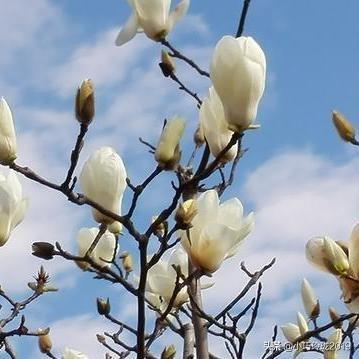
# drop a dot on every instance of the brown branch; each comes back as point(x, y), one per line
point(177, 54)
point(75, 154)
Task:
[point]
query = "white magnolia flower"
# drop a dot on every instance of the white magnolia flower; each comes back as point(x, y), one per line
point(73, 354)
point(167, 152)
point(161, 280)
point(217, 231)
point(153, 17)
point(214, 125)
point(12, 205)
point(327, 255)
point(238, 73)
point(7, 134)
point(341, 260)
point(309, 299)
point(291, 332)
point(104, 250)
point(103, 180)
point(333, 344)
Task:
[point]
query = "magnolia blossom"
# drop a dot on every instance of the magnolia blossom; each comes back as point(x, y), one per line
point(168, 152)
point(104, 250)
point(291, 332)
point(73, 354)
point(238, 73)
point(12, 205)
point(309, 299)
point(7, 134)
point(340, 260)
point(327, 255)
point(153, 17)
point(161, 280)
point(333, 344)
point(103, 180)
point(214, 125)
point(217, 231)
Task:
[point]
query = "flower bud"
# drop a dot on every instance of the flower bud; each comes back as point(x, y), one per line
point(103, 180)
point(344, 128)
point(127, 262)
point(8, 146)
point(185, 213)
point(115, 228)
point(43, 250)
point(198, 136)
point(44, 342)
point(310, 301)
point(302, 324)
point(101, 339)
point(238, 73)
point(291, 332)
point(334, 315)
point(161, 228)
point(103, 306)
point(333, 344)
point(167, 64)
point(168, 152)
point(85, 102)
point(335, 257)
point(169, 352)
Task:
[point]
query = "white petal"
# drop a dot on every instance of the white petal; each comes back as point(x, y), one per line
point(208, 206)
point(19, 213)
point(180, 10)
point(105, 248)
point(230, 213)
point(128, 31)
point(354, 250)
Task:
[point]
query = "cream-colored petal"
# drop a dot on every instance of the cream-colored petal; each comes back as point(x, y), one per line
point(105, 248)
point(230, 213)
point(128, 31)
point(354, 250)
point(180, 10)
point(208, 206)
point(19, 213)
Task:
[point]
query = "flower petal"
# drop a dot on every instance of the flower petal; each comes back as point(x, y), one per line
point(128, 31)
point(180, 10)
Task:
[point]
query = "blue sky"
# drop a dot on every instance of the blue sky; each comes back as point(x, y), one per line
point(298, 177)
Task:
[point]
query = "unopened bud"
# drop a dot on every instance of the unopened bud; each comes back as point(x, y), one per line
point(334, 316)
point(115, 228)
point(335, 258)
point(169, 352)
point(185, 213)
point(127, 263)
point(310, 300)
point(168, 153)
point(161, 228)
point(344, 128)
point(83, 265)
point(85, 102)
point(101, 339)
point(103, 306)
point(43, 250)
point(198, 136)
point(167, 64)
point(44, 342)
